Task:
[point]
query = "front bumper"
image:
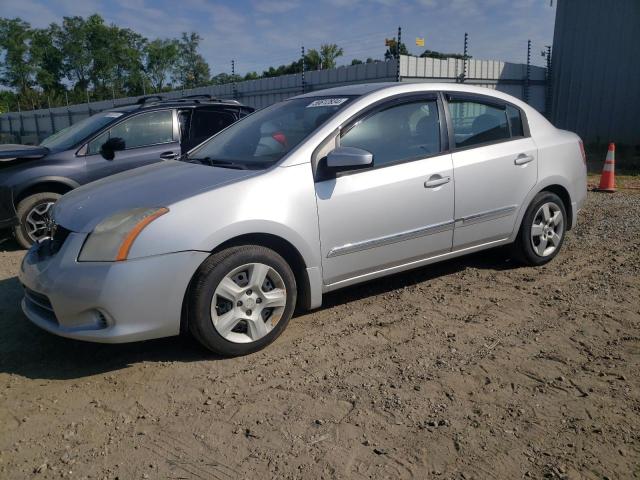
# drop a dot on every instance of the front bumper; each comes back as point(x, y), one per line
point(109, 302)
point(8, 215)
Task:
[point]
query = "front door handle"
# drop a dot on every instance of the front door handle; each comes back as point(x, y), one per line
point(168, 155)
point(435, 181)
point(523, 159)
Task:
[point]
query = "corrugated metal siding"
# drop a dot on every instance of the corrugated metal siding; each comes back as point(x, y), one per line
point(596, 69)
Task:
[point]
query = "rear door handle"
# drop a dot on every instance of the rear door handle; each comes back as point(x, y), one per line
point(168, 155)
point(435, 181)
point(523, 159)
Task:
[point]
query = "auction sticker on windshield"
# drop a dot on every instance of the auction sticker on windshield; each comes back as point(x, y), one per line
point(327, 102)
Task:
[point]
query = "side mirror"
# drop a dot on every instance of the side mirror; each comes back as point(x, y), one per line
point(110, 147)
point(349, 158)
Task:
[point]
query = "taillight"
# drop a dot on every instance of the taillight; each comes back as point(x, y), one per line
point(582, 152)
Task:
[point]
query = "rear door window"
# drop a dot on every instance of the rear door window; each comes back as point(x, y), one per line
point(515, 121)
point(477, 123)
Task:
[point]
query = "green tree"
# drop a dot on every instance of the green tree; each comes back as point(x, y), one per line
point(392, 50)
point(192, 69)
point(313, 59)
point(161, 58)
point(356, 61)
point(74, 43)
point(47, 60)
point(17, 70)
point(329, 52)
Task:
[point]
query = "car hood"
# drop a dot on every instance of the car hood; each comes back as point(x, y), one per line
point(10, 151)
point(156, 185)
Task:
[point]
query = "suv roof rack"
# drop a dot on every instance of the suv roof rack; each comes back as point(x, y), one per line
point(143, 100)
point(198, 98)
point(200, 95)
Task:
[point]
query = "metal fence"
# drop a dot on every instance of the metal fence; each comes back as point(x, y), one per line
point(30, 127)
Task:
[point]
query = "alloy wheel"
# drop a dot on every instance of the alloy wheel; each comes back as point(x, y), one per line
point(547, 229)
point(38, 221)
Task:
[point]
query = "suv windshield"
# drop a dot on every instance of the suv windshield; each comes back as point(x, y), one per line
point(70, 136)
point(266, 136)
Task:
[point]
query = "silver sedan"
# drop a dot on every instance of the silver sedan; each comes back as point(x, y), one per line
point(307, 196)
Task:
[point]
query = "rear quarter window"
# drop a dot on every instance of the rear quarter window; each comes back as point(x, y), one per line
point(515, 121)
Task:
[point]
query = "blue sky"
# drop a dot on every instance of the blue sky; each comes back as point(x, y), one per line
point(259, 33)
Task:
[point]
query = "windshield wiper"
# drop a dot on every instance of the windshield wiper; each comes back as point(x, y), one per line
point(213, 162)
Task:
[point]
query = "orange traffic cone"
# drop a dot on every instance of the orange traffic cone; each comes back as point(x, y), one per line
point(608, 178)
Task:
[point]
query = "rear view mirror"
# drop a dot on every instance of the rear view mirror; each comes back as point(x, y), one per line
point(349, 158)
point(110, 147)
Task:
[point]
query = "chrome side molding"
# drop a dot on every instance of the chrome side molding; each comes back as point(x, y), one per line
point(389, 239)
point(484, 216)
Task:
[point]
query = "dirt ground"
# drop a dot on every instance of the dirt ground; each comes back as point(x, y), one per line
point(474, 368)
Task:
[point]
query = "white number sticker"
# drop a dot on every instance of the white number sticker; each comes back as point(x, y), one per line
point(113, 114)
point(327, 102)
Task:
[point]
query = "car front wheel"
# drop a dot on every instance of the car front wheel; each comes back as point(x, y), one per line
point(543, 229)
point(241, 300)
point(34, 216)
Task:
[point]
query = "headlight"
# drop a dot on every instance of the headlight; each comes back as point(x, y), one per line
point(113, 237)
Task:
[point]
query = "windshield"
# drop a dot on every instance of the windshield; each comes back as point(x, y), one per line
point(266, 136)
point(70, 136)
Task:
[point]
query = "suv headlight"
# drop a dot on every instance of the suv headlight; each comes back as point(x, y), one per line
point(112, 238)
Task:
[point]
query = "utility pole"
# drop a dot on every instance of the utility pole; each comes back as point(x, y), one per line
point(88, 106)
point(233, 77)
point(528, 77)
point(21, 121)
point(69, 116)
point(53, 125)
point(398, 54)
point(304, 68)
point(549, 89)
point(464, 58)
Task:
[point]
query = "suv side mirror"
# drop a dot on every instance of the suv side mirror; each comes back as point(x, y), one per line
point(349, 158)
point(110, 147)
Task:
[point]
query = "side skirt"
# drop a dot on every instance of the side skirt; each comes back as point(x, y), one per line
point(411, 265)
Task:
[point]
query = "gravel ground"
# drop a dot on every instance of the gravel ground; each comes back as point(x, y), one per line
point(474, 368)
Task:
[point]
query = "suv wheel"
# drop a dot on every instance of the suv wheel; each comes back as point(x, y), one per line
point(241, 300)
point(34, 216)
point(542, 231)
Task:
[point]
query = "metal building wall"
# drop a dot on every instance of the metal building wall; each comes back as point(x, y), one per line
point(596, 70)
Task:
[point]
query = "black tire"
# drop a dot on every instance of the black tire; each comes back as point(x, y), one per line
point(524, 250)
point(25, 206)
point(207, 279)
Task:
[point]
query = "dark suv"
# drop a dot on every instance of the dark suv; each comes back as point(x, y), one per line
point(32, 178)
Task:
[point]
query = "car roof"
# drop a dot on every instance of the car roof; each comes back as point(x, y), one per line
point(409, 87)
point(359, 89)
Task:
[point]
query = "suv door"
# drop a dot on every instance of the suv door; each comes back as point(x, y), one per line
point(495, 164)
point(401, 209)
point(149, 137)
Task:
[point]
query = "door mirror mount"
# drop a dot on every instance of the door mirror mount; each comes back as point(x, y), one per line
point(349, 158)
point(110, 147)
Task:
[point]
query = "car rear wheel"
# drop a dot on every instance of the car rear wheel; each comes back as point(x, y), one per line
point(241, 300)
point(542, 231)
point(34, 214)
